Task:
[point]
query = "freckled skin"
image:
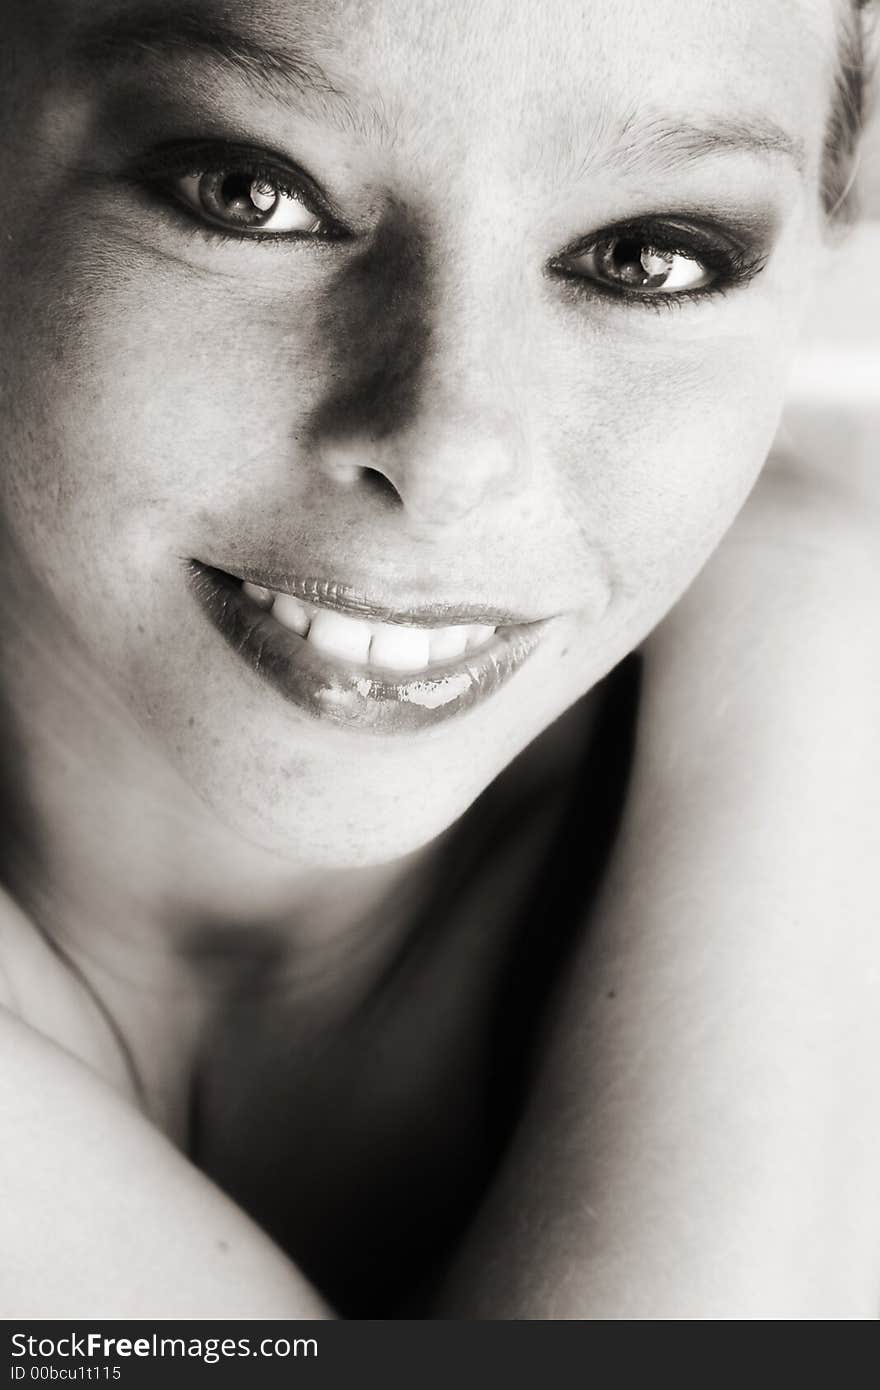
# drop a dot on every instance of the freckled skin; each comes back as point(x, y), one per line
point(171, 398)
point(427, 407)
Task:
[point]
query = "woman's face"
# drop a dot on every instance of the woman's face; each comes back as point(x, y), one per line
point(481, 313)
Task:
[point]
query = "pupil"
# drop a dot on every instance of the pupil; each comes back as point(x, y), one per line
point(638, 264)
point(626, 261)
point(236, 192)
point(245, 199)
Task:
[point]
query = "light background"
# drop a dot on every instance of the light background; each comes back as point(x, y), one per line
point(833, 411)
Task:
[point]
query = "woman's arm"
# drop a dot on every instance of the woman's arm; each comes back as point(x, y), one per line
point(704, 1139)
point(102, 1216)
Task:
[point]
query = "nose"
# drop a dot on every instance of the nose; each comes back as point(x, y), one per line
point(447, 462)
point(424, 394)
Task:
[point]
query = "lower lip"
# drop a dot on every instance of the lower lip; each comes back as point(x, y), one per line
point(357, 697)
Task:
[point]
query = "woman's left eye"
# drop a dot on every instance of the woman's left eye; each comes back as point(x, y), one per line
point(630, 261)
point(246, 201)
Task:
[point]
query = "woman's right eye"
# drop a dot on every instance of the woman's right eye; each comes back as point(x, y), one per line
point(246, 201)
point(238, 191)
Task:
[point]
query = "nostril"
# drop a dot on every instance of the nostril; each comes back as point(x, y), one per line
point(380, 486)
point(348, 466)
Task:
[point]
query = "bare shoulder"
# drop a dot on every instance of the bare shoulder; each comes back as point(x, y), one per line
point(39, 990)
point(762, 679)
point(733, 953)
point(101, 1215)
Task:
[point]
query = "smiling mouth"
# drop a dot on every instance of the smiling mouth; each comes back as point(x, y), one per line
point(343, 658)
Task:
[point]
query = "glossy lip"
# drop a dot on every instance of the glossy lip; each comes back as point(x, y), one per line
point(328, 593)
point(357, 697)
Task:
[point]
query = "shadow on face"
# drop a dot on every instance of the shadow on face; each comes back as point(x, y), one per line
point(556, 324)
point(375, 327)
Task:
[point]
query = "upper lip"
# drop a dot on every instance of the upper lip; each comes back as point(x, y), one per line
point(346, 598)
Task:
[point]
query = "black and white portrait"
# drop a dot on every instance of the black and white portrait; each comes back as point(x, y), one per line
point(440, 679)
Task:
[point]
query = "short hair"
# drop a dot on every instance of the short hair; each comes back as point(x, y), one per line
point(848, 109)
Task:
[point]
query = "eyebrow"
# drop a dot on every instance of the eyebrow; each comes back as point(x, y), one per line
point(126, 40)
point(658, 142)
point(667, 143)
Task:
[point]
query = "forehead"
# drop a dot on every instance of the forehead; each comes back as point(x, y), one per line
point(576, 50)
point(516, 70)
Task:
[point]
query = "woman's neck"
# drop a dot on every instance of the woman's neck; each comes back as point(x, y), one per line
point(161, 916)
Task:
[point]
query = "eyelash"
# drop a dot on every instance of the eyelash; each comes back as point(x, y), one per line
point(155, 173)
point(734, 265)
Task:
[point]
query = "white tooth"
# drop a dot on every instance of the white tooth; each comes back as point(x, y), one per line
point(257, 594)
point(477, 635)
point(448, 642)
point(399, 648)
point(339, 635)
point(291, 613)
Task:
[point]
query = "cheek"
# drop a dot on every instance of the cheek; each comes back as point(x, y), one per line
point(661, 450)
point(143, 402)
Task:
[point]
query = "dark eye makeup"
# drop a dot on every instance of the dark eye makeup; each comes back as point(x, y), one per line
point(236, 192)
point(228, 177)
point(636, 259)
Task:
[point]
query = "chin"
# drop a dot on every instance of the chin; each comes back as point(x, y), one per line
point(347, 804)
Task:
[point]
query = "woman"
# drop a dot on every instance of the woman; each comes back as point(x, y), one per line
point(376, 380)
